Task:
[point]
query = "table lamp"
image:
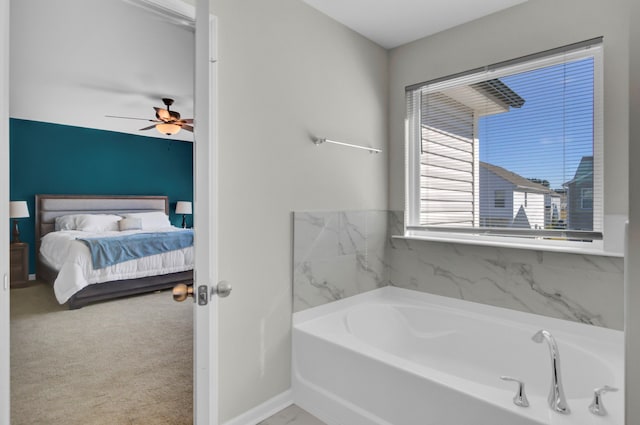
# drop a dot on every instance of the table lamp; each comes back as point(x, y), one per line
point(17, 209)
point(184, 208)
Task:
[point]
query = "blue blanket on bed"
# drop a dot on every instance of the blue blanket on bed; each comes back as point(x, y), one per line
point(108, 251)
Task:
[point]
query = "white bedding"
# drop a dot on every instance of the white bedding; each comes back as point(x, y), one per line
point(72, 260)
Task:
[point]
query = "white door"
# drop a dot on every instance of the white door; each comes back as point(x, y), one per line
point(205, 222)
point(4, 212)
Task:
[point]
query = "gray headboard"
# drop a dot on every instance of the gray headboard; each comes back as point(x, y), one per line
point(48, 207)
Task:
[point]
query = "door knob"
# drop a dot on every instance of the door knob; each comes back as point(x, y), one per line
point(181, 292)
point(223, 289)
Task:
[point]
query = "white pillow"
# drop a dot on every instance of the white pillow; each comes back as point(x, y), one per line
point(66, 222)
point(151, 220)
point(130, 223)
point(97, 222)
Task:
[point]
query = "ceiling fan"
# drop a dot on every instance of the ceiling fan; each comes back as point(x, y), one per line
point(167, 121)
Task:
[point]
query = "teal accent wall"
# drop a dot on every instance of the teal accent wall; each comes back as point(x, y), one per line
point(59, 159)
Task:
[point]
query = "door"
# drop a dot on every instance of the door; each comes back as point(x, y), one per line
point(205, 336)
point(4, 212)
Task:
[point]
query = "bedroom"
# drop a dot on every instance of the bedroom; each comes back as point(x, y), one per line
point(61, 142)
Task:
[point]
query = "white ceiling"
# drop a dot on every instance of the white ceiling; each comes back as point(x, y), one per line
point(75, 61)
point(391, 23)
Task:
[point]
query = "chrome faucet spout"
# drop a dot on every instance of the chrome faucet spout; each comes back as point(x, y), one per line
point(556, 399)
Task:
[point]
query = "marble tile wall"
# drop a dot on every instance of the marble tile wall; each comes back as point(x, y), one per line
point(582, 288)
point(339, 254)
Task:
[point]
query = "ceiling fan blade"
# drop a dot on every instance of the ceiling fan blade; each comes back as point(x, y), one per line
point(188, 120)
point(187, 127)
point(128, 118)
point(148, 128)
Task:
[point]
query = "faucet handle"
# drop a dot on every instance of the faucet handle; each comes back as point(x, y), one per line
point(596, 407)
point(520, 399)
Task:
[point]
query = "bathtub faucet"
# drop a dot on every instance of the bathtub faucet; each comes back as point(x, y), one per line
point(556, 399)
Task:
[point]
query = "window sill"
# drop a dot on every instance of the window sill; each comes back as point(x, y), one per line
point(514, 243)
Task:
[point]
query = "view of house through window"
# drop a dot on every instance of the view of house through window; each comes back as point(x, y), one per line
point(510, 148)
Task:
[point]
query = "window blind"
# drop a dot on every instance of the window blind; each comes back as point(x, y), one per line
point(510, 150)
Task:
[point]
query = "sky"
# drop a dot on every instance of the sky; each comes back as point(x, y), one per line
point(547, 137)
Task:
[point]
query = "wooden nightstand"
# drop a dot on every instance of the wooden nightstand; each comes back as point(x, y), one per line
point(19, 265)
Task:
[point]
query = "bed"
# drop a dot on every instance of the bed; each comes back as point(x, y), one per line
point(101, 286)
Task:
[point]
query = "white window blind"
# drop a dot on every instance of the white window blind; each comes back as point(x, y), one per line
point(512, 149)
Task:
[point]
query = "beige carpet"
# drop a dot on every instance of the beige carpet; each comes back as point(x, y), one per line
point(120, 362)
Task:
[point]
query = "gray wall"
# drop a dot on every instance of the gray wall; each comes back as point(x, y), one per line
point(286, 72)
point(294, 73)
point(632, 290)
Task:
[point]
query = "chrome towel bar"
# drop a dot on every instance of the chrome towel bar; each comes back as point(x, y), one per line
point(318, 141)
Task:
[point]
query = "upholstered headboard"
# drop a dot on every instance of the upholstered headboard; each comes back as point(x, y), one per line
point(48, 207)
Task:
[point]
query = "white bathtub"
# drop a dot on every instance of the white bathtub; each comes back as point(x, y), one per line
point(399, 357)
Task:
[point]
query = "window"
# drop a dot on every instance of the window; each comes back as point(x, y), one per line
point(511, 150)
point(499, 197)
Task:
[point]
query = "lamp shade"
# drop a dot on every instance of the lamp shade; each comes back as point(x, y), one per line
point(168, 129)
point(184, 207)
point(18, 209)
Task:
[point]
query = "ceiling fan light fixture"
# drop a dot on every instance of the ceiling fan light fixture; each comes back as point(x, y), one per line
point(168, 129)
point(168, 122)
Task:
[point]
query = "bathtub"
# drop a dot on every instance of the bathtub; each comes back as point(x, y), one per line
point(399, 357)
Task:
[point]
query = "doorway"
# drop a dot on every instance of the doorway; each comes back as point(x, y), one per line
point(65, 111)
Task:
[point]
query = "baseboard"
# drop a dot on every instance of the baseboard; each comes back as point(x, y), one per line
point(264, 410)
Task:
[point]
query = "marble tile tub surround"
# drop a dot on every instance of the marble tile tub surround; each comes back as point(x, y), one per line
point(339, 254)
point(582, 288)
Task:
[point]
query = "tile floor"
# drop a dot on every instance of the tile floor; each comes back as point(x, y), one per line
point(292, 415)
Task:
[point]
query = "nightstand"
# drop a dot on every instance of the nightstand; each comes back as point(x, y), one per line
point(19, 265)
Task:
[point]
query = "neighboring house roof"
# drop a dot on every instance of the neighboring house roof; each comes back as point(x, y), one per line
point(516, 179)
point(584, 172)
point(500, 92)
point(484, 98)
